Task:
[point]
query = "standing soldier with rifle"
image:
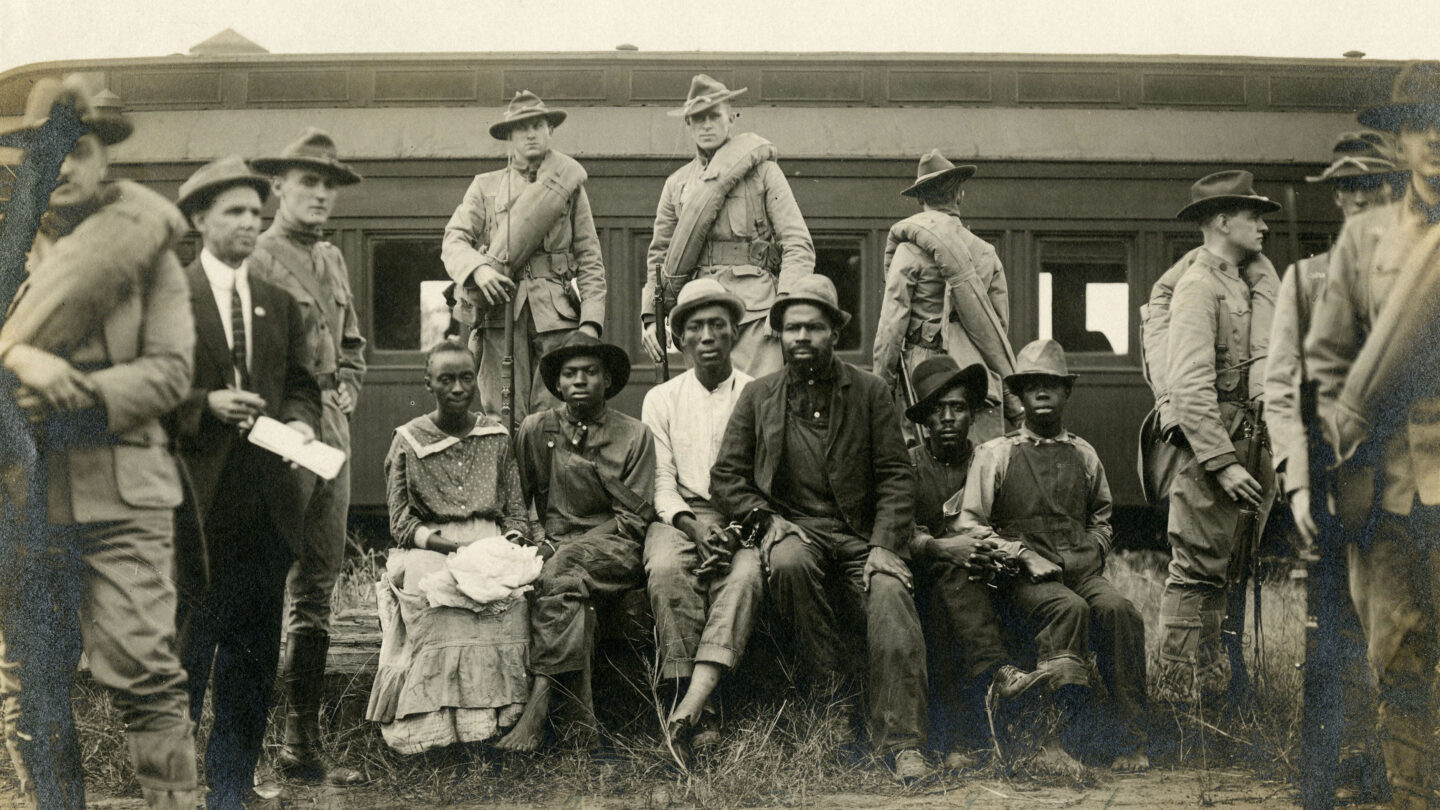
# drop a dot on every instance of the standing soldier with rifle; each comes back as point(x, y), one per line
point(1372, 355)
point(1219, 326)
point(728, 214)
point(1362, 176)
point(522, 250)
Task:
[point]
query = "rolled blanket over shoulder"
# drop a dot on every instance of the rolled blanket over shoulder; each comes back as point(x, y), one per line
point(533, 212)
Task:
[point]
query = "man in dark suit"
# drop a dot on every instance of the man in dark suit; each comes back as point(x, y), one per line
point(813, 456)
point(250, 360)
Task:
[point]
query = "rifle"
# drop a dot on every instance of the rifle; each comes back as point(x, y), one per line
point(1244, 564)
point(1323, 715)
point(661, 334)
point(507, 361)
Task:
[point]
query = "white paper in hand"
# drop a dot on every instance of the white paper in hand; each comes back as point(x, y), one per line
point(283, 440)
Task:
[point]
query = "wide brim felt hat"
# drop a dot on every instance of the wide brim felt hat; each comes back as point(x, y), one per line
point(1040, 358)
point(1414, 99)
point(812, 289)
point(703, 292)
point(1348, 167)
point(935, 170)
point(579, 344)
point(1231, 189)
point(705, 93)
point(934, 377)
point(525, 106)
point(314, 149)
point(106, 123)
point(214, 177)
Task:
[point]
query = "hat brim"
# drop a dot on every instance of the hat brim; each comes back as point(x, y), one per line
point(500, 130)
point(1390, 117)
point(727, 299)
point(344, 175)
point(1201, 208)
point(1012, 380)
point(614, 358)
point(839, 317)
point(110, 129)
point(190, 202)
point(933, 179)
point(710, 103)
point(974, 378)
point(1346, 168)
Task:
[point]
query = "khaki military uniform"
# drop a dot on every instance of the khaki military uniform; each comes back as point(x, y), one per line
point(758, 245)
point(560, 287)
point(1219, 324)
point(1388, 487)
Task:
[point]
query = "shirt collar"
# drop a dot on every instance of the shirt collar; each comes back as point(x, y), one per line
point(598, 420)
point(1034, 438)
point(221, 274)
point(726, 385)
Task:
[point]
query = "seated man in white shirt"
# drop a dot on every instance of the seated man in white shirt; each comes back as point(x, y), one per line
point(705, 589)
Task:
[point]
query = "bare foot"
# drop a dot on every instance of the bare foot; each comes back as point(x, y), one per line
point(958, 761)
point(529, 730)
point(1053, 758)
point(1133, 762)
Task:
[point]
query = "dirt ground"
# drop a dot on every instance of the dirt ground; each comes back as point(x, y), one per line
point(1155, 789)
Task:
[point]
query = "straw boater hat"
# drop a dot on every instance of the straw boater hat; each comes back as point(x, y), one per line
point(525, 106)
point(106, 123)
point(704, 93)
point(1040, 358)
point(933, 170)
point(1358, 154)
point(1414, 99)
point(812, 289)
point(579, 344)
point(1230, 189)
point(314, 149)
point(212, 178)
point(936, 376)
point(703, 292)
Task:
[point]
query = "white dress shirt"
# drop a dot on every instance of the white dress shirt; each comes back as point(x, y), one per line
point(223, 278)
point(688, 423)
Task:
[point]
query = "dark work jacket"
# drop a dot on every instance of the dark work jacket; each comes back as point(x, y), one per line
point(865, 459)
point(279, 359)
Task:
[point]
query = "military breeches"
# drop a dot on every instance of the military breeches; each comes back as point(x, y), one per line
point(530, 393)
point(963, 649)
point(317, 564)
point(599, 564)
point(757, 349)
point(106, 589)
point(1395, 584)
point(707, 621)
point(818, 588)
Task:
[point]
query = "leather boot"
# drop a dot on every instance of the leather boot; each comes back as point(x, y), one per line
point(303, 676)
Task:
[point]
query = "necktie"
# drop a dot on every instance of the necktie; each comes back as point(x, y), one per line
point(237, 334)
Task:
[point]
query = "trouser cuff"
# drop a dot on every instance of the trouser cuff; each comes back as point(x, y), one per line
point(165, 760)
point(716, 654)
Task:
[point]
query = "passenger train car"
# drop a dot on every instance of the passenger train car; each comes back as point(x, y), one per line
point(1083, 162)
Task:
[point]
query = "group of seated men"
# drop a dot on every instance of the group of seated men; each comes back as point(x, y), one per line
point(797, 489)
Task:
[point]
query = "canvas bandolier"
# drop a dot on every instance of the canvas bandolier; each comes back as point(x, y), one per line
point(688, 246)
point(938, 235)
point(521, 227)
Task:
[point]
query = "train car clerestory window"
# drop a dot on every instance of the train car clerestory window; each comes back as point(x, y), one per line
point(408, 293)
point(1083, 293)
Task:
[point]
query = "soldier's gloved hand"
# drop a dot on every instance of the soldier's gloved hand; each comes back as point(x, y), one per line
point(1038, 568)
point(651, 342)
point(1239, 484)
point(48, 384)
point(1304, 519)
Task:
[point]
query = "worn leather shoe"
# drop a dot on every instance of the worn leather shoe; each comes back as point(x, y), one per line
point(910, 767)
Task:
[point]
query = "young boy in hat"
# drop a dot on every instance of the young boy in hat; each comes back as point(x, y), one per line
point(1041, 497)
point(306, 178)
point(945, 294)
point(963, 635)
point(95, 388)
point(705, 589)
point(1372, 350)
point(589, 474)
point(728, 214)
point(525, 232)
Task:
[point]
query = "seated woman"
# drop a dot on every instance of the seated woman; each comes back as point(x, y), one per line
point(455, 627)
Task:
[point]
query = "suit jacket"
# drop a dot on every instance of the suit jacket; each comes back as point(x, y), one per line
point(865, 459)
point(138, 365)
point(279, 362)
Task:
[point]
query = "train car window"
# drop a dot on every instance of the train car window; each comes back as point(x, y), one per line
point(841, 258)
point(409, 285)
point(1084, 295)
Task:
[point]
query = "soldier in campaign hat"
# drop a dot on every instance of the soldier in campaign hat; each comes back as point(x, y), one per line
point(306, 177)
point(1371, 350)
point(728, 214)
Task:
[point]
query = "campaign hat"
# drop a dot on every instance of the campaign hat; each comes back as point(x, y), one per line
point(103, 119)
point(314, 149)
point(934, 377)
point(579, 344)
point(1414, 99)
point(1230, 189)
point(525, 106)
point(216, 176)
point(1358, 154)
point(704, 94)
point(935, 170)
